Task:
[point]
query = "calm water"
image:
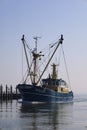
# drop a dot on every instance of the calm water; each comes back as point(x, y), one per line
point(70, 116)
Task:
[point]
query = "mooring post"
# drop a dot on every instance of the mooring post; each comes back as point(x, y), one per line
point(11, 92)
point(16, 94)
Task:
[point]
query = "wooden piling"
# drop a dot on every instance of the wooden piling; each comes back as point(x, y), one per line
point(1, 92)
point(16, 94)
point(11, 96)
point(8, 94)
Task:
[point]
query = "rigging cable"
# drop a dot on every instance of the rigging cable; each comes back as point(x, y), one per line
point(22, 66)
point(66, 67)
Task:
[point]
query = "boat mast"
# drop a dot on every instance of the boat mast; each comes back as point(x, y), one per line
point(35, 57)
point(23, 41)
point(54, 74)
point(59, 42)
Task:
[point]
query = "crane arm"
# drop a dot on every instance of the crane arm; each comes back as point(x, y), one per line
point(23, 41)
point(59, 42)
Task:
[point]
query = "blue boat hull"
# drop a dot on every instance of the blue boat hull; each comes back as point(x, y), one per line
point(32, 93)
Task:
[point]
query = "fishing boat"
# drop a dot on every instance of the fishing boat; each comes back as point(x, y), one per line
point(50, 89)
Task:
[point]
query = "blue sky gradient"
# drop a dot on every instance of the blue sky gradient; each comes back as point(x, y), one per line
point(48, 19)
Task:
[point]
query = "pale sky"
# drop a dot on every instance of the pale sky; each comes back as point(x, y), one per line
point(48, 19)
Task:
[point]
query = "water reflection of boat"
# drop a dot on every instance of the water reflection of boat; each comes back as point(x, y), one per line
point(50, 116)
point(50, 89)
